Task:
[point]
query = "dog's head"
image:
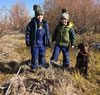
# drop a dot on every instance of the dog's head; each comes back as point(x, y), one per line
point(84, 47)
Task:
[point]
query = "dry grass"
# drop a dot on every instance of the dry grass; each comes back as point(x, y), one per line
point(65, 82)
point(8, 44)
point(88, 37)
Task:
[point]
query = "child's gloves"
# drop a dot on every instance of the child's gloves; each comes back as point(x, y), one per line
point(28, 42)
point(49, 44)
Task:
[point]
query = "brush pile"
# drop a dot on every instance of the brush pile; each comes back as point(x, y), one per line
point(51, 81)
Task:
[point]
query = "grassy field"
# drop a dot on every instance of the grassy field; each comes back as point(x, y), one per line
point(69, 81)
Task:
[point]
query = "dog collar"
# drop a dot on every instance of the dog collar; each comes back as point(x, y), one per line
point(83, 53)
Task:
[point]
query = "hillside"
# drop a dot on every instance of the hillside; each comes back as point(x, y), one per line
point(52, 81)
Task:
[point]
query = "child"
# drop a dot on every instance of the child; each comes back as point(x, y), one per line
point(37, 36)
point(64, 34)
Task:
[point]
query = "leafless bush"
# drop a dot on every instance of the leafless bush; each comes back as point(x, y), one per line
point(15, 18)
point(19, 16)
point(4, 18)
point(84, 13)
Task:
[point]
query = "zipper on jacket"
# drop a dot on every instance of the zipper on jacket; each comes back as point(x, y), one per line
point(62, 35)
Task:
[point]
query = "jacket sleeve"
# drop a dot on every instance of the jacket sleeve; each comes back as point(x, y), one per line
point(48, 34)
point(27, 36)
point(72, 36)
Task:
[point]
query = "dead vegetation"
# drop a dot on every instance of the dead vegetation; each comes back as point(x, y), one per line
point(84, 14)
point(8, 44)
point(43, 82)
point(52, 81)
point(15, 18)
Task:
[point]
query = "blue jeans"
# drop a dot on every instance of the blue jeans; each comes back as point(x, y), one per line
point(38, 56)
point(65, 51)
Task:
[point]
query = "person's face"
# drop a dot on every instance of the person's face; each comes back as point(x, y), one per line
point(64, 21)
point(40, 17)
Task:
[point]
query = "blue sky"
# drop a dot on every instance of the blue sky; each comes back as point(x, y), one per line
point(29, 3)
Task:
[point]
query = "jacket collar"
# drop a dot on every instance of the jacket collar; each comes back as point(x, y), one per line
point(69, 24)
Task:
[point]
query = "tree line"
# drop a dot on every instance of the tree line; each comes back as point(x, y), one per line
point(85, 14)
point(15, 18)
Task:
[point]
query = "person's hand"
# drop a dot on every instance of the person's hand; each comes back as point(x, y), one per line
point(28, 43)
point(52, 42)
point(73, 46)
point(49, 44)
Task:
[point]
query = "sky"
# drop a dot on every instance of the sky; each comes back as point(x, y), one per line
point(29, 3)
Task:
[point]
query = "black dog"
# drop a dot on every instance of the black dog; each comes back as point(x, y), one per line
point(83, 59)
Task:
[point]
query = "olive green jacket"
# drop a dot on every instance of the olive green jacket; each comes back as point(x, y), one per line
point(63, 35)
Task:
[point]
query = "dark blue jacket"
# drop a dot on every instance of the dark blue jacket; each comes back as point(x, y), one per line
point(32, 29)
